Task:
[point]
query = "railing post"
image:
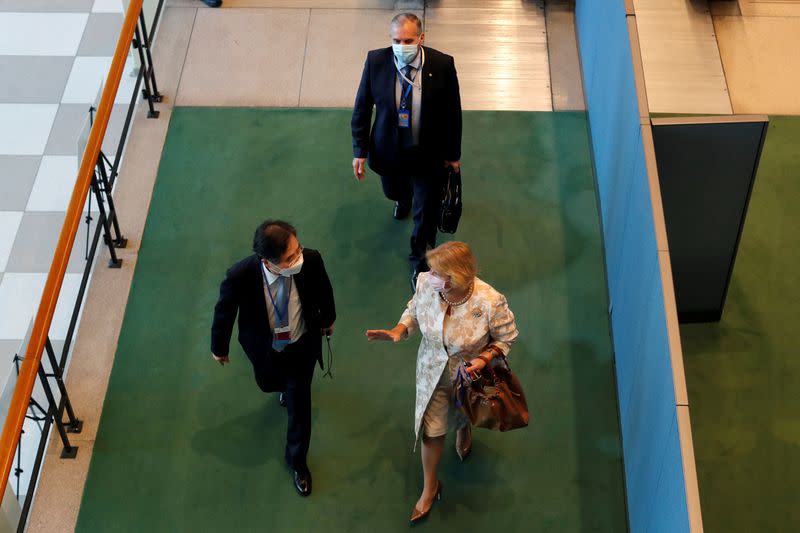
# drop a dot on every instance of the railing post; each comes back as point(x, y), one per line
point(105, 186)
point(74, 425)
point(150, 71)
point(114, 262)
point(69, 451)
point(149, 94)
point(37, 463)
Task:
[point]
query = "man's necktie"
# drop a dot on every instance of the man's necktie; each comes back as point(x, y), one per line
point(281, 311)
point(406, 136)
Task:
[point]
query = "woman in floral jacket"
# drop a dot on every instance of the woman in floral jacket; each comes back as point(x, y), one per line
point(463, 320)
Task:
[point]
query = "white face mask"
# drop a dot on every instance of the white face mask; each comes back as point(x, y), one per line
point(438, 284)
point(289, 271)
point(405, 53)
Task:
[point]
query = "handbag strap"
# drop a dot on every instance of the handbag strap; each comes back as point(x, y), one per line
point(495, 350)
point(500, 357)
point(504, 359)
point(329, 372)
point(497, 354)
point(461, 384)
point(446, 195)
point(485, 360)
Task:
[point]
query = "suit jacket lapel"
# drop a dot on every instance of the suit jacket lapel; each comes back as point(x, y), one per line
point(390, 79)
point(256, 278)
point(299, 280)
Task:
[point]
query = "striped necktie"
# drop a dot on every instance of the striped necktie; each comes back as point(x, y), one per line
point(281, 309)
point(406, 136)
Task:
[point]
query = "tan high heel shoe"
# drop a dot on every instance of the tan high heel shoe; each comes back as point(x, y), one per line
point(464, 442)
point(417, 515)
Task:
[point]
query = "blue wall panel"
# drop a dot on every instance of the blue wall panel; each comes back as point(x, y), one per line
point(650, 413)
point(671, 488)
point(651, 444)
point(628, 316)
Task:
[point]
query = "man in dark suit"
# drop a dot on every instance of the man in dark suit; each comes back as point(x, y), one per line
point(417, 131)
point(284, 300)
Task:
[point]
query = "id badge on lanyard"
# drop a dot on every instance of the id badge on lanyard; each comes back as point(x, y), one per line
point(403, 114)
point(281, 337)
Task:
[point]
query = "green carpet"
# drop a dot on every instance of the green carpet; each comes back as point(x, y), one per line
point(743, 374)
point(185, 445)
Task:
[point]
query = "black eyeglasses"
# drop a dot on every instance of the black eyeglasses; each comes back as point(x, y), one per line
point(292, 259)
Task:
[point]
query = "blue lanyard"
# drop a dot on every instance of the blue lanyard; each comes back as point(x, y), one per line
point(275, 307)
point(404, 99)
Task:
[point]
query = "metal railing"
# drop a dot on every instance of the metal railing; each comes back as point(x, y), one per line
point(95, 180)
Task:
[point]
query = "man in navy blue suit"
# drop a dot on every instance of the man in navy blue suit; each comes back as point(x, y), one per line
point(416, 135)
point(284, 302)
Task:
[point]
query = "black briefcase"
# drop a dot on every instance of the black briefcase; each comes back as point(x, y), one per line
point(450, 211)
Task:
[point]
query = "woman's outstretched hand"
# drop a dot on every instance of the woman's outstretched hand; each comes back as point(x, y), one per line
point(394, 335)
point(383, 335)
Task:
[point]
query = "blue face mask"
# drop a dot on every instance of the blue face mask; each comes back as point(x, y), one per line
point(405, 53)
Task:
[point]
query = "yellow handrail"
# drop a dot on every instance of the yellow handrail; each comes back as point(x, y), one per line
point(55, 277)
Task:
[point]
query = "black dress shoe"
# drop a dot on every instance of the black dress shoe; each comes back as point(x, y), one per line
point(302, 482)
point(401, 211)
point(212, 3)
point(282, 399)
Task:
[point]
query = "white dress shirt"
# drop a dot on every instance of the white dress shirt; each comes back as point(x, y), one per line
point(296, 322)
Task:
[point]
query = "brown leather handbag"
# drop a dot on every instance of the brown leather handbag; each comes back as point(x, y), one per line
point(493, 400)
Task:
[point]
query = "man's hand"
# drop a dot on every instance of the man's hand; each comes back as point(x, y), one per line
point(328, 331)
point(455, 165)
point(221, 360)
point(358, 168)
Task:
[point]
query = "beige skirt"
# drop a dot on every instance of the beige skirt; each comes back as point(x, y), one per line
point(442, 415)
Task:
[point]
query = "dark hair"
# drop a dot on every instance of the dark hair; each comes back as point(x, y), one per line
point(402, 18)
point(272, 239)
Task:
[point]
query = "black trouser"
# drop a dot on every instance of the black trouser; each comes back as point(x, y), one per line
point(296, 364)
point(423, 191)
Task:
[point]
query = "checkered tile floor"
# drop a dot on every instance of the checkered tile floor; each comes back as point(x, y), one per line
point(54, 56)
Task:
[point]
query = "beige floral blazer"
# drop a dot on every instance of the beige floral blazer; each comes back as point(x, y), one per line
point(485, 319)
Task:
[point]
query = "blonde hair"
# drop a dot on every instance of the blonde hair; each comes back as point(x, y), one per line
point(454, 259)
